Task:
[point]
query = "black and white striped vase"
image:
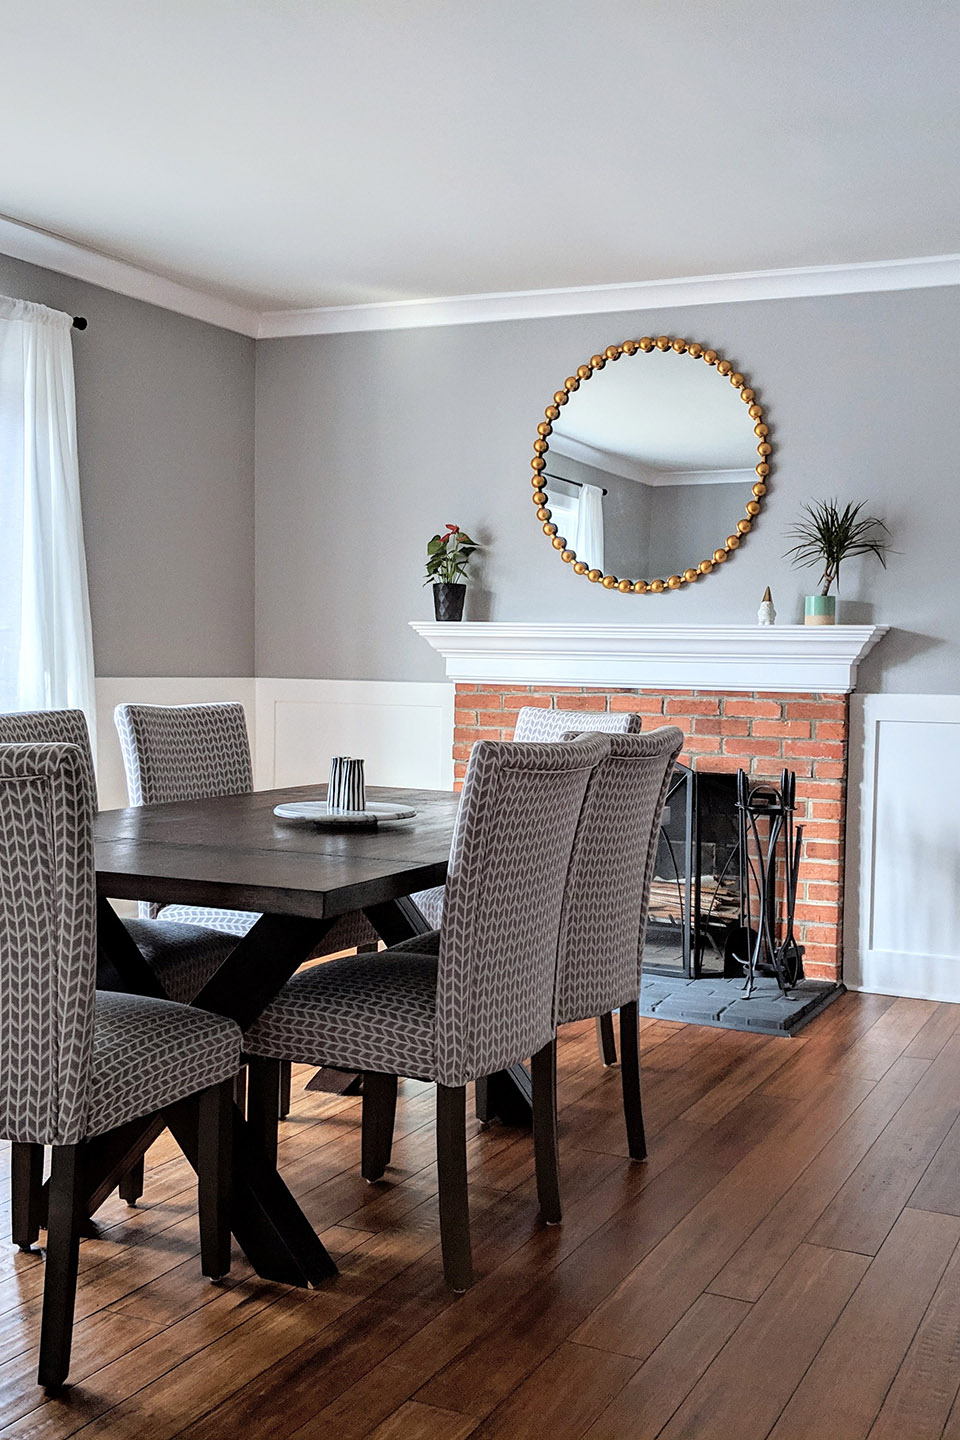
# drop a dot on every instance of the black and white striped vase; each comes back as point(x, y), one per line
point(346, 789)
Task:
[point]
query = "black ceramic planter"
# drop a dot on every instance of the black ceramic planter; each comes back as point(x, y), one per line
point(448, 601)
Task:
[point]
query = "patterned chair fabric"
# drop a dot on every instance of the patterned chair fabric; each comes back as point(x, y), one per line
point(611, 869)
point(538, 725)
point(197, 752)
point(183, 960)
point(489, 994)
point(51, 1033)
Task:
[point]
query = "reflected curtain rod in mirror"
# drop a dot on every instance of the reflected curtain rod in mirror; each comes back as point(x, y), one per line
point(670, 449)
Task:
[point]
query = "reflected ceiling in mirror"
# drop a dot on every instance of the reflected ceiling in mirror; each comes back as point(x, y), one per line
point(641, 470)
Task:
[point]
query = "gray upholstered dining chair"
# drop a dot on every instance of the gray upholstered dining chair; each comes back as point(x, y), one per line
point(76, 1063)
point(482, 1003)
point(535, 724)
point(605, 917)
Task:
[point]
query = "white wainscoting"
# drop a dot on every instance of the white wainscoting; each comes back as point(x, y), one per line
point(902, 927)
point(403, 730)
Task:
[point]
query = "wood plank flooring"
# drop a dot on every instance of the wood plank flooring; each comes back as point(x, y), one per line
point(786, 1264)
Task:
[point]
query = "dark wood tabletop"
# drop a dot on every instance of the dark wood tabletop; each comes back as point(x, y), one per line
point(233, 852)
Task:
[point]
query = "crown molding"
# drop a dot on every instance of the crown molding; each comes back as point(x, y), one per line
point(857, 279)
point(38, 247)
point(781, 658)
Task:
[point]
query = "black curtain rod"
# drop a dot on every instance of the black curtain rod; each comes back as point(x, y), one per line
point(79, 323)
point(580, 483)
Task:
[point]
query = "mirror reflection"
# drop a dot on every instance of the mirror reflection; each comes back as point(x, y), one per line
point(650, 463)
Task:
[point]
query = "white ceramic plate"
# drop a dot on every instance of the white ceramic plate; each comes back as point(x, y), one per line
point(316, 812)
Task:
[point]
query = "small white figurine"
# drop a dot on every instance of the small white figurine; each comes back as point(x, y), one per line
point(766, 615)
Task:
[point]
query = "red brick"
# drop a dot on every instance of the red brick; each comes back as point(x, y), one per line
point(821, 971)
point(831, 730)
point(477, 699)
point(707, 744)
point(826, 810)
point(461, 752)
point(807, 912)
point(640, 704)
point(817, 749)
point(823, 870)
point(691, 707)
point(821, 790)
point(464, 717)
point(717, 764)
point(819, 890)
point(584, 702)
point(805, 708)
point(496, 718)
point(518, 702)
point(760, 709)
point(829, 769)
point(822, 849)
point(710, 725)
point(751, 747)
point(469, 734)
point(797, 728)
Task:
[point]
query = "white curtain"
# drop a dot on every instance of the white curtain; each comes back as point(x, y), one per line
point(46, 647)
point(589, 541)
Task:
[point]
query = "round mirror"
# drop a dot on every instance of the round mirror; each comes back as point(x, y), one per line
point(642, 473)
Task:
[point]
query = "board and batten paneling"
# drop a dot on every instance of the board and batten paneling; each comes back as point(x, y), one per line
point(902, 931)
point(402, 730)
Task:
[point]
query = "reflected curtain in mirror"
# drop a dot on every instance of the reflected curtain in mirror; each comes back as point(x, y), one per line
point(46, 647)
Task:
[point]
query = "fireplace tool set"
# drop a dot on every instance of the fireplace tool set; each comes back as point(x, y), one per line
point(769, 844)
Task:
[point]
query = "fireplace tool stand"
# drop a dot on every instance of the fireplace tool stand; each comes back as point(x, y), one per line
point(769, 843)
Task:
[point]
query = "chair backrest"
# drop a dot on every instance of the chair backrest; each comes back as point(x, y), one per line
point(611, 869)
point(51, 727)
point(47, 942)
point(505, 885)
point(184, 752)
point(537, 724)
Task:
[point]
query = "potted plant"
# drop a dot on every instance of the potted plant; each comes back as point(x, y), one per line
point(827, 535)
point(448, 556)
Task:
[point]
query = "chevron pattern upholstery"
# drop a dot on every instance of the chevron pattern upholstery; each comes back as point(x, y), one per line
point(182, 959)
point(196, 752)
point(148, 1054)
point(604, 917)
point(538, 725)
point(65, 1060)
point(486, 1000)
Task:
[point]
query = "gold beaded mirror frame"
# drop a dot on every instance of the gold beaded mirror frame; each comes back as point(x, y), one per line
point(635, 350)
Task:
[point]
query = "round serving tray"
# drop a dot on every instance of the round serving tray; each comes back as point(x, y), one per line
point(315, 812)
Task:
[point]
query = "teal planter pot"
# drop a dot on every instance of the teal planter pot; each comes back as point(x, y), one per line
point(820, 610)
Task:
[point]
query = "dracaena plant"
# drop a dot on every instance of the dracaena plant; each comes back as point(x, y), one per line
point(825, 535)
point(448, 556)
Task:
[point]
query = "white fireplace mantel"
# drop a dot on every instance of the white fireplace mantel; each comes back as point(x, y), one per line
point(820, 658)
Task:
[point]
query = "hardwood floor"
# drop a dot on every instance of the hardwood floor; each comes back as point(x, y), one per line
point(785, 1264)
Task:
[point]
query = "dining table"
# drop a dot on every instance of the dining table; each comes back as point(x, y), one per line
point(232, 852)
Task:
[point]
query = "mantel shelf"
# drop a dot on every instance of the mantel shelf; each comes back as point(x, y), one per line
point(814, 658)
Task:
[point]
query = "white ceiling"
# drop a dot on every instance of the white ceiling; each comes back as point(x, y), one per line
point(295, 153)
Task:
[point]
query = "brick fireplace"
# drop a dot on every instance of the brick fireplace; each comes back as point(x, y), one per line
point(726, 730)
point(760, 698)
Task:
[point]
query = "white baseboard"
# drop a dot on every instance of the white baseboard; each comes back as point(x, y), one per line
point(902, 926)
point(404, 730)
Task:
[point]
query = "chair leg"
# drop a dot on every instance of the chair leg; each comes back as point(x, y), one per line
point(263, 1101)
point(131, 1186)
point(66, 1211)
point(378, 1115)
point(630, 1079)
point(452, 1177)
point(214, 1177)
point(543, 1073)
point(286, 1079)
point(26, 1193)
point(606, 1042)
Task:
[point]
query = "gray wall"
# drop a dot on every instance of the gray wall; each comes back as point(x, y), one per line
point(367, 444)
point(165, 431)
point(688, 522)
